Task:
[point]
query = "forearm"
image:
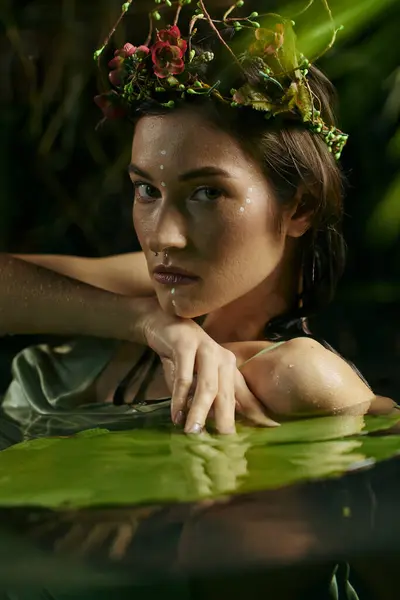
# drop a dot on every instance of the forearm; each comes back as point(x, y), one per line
point(125, 274)
point(35, 300)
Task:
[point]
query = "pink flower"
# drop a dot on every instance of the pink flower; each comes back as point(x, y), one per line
point(167, 59)
point(172, 35)
point(142, 51)
point(127, 50)
point(116, 76)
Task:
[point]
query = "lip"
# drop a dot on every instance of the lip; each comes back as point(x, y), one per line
point(173, 275)
point(172, 279)
point(172, 270)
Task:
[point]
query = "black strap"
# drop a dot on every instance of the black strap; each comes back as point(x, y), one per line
point(119, 394)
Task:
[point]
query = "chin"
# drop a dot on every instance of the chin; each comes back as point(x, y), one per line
point(187, 312)
point(184, 308)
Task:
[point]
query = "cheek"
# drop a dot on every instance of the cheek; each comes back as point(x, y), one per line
point(233, 233)
point(139, 225)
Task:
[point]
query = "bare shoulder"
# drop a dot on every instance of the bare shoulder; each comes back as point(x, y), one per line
point(302, 377)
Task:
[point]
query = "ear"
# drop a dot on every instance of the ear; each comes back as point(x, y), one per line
point(299, 216)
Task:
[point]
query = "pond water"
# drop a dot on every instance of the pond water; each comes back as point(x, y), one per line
point(134, 507)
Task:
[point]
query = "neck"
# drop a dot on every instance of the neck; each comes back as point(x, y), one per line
point(245, 318)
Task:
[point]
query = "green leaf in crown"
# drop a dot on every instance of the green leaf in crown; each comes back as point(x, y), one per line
point(166, 66)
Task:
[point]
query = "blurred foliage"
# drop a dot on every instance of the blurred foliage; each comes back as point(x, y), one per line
point(63, 187)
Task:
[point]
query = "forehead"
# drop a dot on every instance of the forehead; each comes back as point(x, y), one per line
point(186, 137)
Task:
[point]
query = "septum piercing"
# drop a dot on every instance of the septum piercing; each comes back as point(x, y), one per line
point(165, 254)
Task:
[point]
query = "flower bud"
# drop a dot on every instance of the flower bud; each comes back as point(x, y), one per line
point(115, 77)
point(116, 62)
point(129, 49)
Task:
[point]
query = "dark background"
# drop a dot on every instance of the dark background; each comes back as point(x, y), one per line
point(63, 187)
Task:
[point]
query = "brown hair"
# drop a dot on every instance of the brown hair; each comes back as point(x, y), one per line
point(290, 156)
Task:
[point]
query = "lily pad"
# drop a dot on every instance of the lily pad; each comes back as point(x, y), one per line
point(147, 465)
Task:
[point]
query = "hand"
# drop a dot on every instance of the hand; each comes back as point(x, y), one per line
point(194, 362)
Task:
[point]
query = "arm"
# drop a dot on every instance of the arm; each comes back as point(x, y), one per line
point(302, 378)
point(36, 300)
point(125, 274)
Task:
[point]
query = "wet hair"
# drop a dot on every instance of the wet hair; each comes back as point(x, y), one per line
point(292, 158)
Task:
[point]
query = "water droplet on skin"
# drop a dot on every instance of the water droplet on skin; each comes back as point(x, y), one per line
point(161, 166)
point(250, 189)
point(241, 209)
point(163, 152)
point(163, 183)
point(290, 366)
point(173, 303)
point(173, 291)
point(248, 200)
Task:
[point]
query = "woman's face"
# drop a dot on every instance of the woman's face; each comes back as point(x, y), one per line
point(203, 201)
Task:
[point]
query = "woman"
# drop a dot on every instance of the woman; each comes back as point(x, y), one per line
point(238, 217)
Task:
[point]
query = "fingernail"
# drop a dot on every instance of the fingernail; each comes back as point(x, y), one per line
point(196, 428)
point(271, 423)
point(180, 418)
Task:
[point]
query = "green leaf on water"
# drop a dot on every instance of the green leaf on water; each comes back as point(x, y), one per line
point(98, 467)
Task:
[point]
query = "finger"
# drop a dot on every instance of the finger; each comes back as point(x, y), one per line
point(206, 391)
point(224, 405)
point(169, 372)
point(184, 368)
point(248, 405)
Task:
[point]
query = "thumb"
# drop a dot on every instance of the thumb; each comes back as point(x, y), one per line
point(248, 405)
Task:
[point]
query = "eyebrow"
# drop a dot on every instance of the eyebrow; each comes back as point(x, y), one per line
point(193, 174)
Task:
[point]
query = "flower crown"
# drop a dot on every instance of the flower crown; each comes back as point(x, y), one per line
point(275, 73)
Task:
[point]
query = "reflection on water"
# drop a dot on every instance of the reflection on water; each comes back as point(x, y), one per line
point(98, 467)
point(280, 508)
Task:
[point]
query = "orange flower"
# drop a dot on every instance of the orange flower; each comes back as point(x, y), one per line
point(269, 41)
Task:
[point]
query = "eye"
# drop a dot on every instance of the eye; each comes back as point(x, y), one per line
point(207, 194)
point(144, 192)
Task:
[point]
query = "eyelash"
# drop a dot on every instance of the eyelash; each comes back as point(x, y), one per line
point(138, 184)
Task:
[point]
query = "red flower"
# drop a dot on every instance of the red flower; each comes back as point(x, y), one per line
point(172, 35)
point(108, 104)
point(167, 59)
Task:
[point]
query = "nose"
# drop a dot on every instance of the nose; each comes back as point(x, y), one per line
point(168, 231)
